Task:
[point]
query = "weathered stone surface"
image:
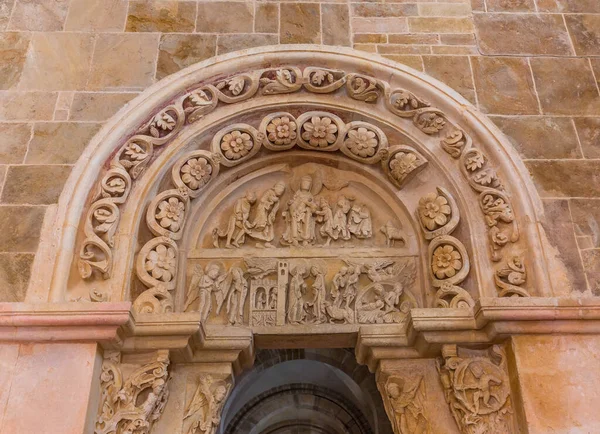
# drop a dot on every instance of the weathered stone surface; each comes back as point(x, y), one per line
point(541, 137)
point(504, 85)
point(415, 62)
point(440, 24)
point(379, 25)
point(454, 50)
point(13, 142)
point(179, 51)
point(228, 43)
point(403, 49)
point(300, 23)
point(586, 218)
point(94, 106)
point(372, 38)
point(559, 230)
point(591, 263)
point(458, 39)
point(510, 5)
point(138, 51)
point(418, 38)
point(25, 106)
point(36, 185)
point(161, 16)
point(454, 71)
point(13, 49)
point(267, 18)
point(457, 9)
point(588, 130)
point(566, 178)
point(15, 270)
point(21, 228)
point(39, 15)
point(336, 24)
point(384, 10)
point(5, 10)
point(97, 15)
point(59, 142)
point(572, 6)
point(58, 61)
point(522, 34)
point(566, 86)
point(585, 33)
point(225, 17)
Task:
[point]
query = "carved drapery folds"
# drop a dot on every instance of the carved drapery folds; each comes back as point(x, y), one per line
point(477, 389)
point(203, 412)
point(132, 405)
point(404, 398)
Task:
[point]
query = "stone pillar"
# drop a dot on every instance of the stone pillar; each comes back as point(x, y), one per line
point(559, 382)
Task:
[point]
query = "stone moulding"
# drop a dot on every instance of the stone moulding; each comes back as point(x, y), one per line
point(140, 133)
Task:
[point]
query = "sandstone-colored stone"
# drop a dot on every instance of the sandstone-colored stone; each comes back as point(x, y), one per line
point(403, 49)
point(13, 50)
point(59, 142)
point(161, 16)
point(300, 23)
point(176, 52)
point(588, 130)
point(455, 71)
point(566, 86)
point(97, 15)
point(413, 39)
point(5, 11)
point(58, 61)
point(225, 17)
point(13, 142)
point(372, 38)
point(444, 9)
point(566, 178)
point(440, 24)
point(457, 50)
point(558, 227)
point(26, 106)
point(510, 5)
point(415, 62)
point(522, 34)
point(585, 33)
point(478, 5)
point(124, 61)
point(35, 185)
point(586, 219)
point(541, 137)
point(458, 39)
point(267, 18)
point(369, 48)
point(336, 24)
point(97, 107)
point(21, 228)
point(15, 270)
point(504, 85)
point(384, 10)
point(39, 15)
point(229, 43)
point(571, 6)
point(379, 25)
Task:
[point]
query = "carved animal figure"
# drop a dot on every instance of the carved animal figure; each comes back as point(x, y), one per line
point(393, 234)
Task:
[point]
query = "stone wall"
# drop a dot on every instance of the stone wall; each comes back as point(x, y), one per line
point(532, 65)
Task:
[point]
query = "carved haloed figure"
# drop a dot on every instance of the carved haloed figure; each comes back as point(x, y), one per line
point(300, 215)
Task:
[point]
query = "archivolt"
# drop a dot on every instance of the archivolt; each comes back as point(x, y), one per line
point(123, 173)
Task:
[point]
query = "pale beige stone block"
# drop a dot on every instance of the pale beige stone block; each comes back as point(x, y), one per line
point(444, 9)
point(225, 17)
point(229, 43)
point(179, 51)
point(24, 106)
point(9, 353)
point(379, 25)
point(39, 15)
point(15, 270)
point(96, 106)
point(59, 142)
point(23, 225)
point(440, 25)
point(36, 185)
point(57, 61)
point(161, 16)
point(5, 11)
point(13, 51)
point(300, 23)
point(13, 142)
point(97, 15)
point(124, 61)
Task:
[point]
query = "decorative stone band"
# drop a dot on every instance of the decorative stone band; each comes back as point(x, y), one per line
point(133, 157)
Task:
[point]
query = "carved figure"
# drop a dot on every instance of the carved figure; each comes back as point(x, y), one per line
point(238, 223)
point(237, 296)
point(325, 217)
point(392, 234)
point(351, 288)
point(340, 218)
point(261, 300)
point(296, 313)
point(407, 398)
point(319, 290)
point(359, 221)
point(300, 221)
point(202, 286)
point(261, 227)
point(205, 408)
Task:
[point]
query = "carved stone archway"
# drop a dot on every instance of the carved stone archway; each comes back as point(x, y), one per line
point(300, 197)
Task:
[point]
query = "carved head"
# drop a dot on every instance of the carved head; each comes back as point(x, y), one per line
point(306, 183)
point(343, 270)
point(251, 196)
point(393, 390)
point(220, 393)
point(314, 270)
point(213, 271)
point(279, 188)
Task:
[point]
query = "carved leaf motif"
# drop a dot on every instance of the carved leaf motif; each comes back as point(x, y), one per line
point(199, 98)
point(454, 143)
point(319, 76)
point(475, 161)
point(487, 177)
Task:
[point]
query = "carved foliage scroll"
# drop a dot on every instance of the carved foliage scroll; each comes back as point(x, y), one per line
point(130, 406)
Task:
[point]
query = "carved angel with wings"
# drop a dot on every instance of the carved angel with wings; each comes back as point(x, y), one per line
point(407, 398)
point(205, 408)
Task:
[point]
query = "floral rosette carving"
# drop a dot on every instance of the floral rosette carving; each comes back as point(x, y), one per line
point(364, 142)
point(403, 164)
point(236, 144)
point(198, 103)
point(438, 213)
point(195, 171)
point(448, 261)
point(166, 214)
point(322, 80)
point(283, 80)
point(280, 131)
point(157, 263)
point(320, 131)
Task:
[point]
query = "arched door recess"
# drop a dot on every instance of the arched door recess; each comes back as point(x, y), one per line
point(298, 196)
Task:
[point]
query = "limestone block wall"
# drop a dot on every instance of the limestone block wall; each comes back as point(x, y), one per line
point(66, 66)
